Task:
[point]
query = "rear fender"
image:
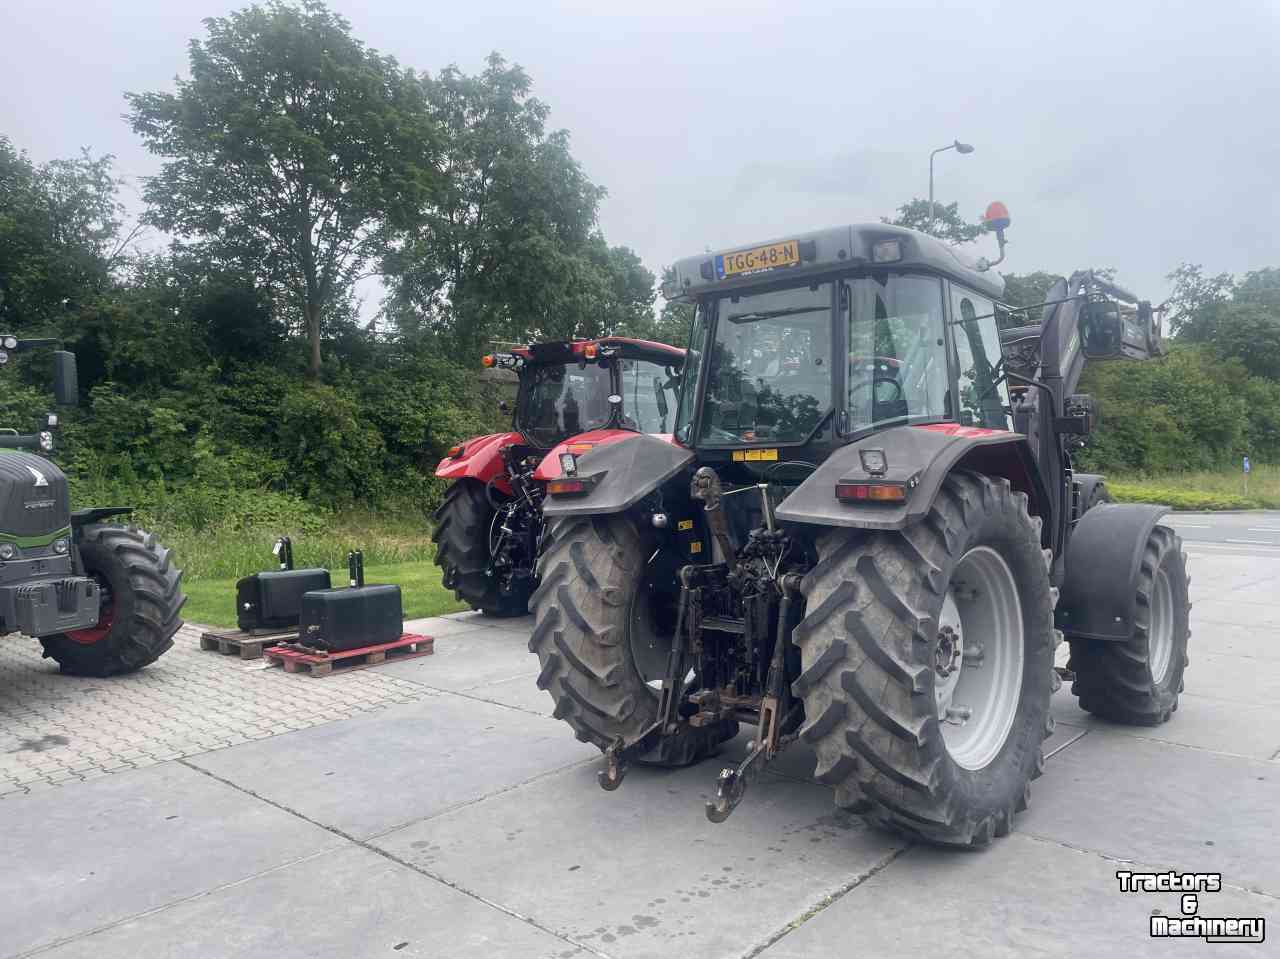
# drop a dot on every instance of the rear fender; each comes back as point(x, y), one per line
point(617, 475)
point(923, 454)
point(579, 445)
point(1100, 591)
point(480, 460)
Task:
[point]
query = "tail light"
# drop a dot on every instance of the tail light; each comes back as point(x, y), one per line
point(591, 350)
point(566, 487)
point(872, 492)
point(487, 361)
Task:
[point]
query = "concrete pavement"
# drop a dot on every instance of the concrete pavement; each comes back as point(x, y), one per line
point(449, 814)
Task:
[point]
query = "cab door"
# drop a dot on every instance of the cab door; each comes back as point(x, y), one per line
point(981, 399)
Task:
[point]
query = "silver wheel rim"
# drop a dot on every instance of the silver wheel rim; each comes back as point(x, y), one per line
point(978, 658)
point(1160, 631)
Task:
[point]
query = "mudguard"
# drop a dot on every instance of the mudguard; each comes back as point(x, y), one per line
point(579, 445)
point(925, 454)
point(480, 460)
point(1088, 483)
point(618, 475)
point(1100, 591)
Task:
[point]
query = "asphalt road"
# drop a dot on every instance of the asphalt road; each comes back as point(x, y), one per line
point(433, 807)
point(1256, 531)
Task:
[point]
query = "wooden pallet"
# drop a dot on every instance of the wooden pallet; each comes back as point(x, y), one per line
point(295, 658)
point(245, 645)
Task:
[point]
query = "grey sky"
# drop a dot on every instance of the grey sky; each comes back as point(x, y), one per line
point(1125, 134)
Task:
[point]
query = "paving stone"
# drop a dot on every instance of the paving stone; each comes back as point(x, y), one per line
point(468, 659)
point(640, 871)
point(77, 858)
point(1200, 722)
point(1164, 805)
point(351, 902)
point(401, 763)
point(1022, 897)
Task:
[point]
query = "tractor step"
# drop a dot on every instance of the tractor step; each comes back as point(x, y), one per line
point(246, 645)
point(295, 658)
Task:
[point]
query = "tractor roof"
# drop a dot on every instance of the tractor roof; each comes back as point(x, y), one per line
point(866, 245)
point(562, 351)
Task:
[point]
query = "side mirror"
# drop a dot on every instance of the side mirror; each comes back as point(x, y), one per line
point(66, 387)
point(663, 407)
point(1101, 330)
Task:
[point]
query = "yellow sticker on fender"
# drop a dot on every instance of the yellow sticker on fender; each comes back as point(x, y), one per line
point(684, 524)
point(754, 456)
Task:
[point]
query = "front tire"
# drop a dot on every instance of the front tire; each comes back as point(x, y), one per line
point(588, 612)
point(1138, 682)
point(142, 602)
point(462, 552)
point(889, 618)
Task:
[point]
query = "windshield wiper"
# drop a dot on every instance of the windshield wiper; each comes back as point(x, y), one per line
point(772, 314)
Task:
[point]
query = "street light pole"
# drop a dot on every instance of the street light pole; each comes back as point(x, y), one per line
point(959, 148)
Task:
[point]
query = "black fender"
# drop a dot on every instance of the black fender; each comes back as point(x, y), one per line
point(920, 457)
point(83, 517)
point(615, 476)
point(1087, 482)
point(1100, 590)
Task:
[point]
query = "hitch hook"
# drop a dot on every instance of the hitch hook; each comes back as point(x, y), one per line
point(610, 778)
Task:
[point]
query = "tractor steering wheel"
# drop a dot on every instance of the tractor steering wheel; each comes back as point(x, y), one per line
point(875, 381)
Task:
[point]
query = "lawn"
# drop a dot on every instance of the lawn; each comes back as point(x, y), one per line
point(211, 602)
point(1201, 490)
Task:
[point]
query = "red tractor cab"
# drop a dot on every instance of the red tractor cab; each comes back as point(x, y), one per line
point(489, 528)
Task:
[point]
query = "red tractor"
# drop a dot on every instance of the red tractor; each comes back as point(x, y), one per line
point(489, 529)
point(865, 533)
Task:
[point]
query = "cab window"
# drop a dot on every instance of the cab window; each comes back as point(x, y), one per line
point(982, 400)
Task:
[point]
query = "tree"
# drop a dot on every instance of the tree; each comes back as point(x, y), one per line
point(508, 248)
point(945, 222)
point(293, 146)
point(60, 236)
point(1195, 299)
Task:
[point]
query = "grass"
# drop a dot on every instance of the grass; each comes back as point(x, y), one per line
point(1201, 490)
point(212, 602)
point(228, 553)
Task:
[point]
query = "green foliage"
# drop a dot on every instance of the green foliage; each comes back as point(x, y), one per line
point(291, 146)
point(507, 248)
point(1178, 497)
point(1184, 411)
point(943, 221)
point(1202, 490)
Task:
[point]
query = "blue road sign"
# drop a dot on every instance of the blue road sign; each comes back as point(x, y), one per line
point(1246, 464)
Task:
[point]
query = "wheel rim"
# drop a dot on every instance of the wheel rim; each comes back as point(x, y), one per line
point(978, 658)
point(1160, 631)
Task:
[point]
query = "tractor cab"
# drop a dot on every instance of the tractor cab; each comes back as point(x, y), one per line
point(808, 343)
point(579, 386)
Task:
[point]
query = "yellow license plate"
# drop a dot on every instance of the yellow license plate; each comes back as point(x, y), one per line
point(768, 257)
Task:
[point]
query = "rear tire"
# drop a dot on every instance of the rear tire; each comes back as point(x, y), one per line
point(462, 552)
point(872, 677)
point(591, 593)
point(145, 600)
point(1138, 681)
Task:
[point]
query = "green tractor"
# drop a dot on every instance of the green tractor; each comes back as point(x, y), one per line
point(101, 598)
point(865, 534)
